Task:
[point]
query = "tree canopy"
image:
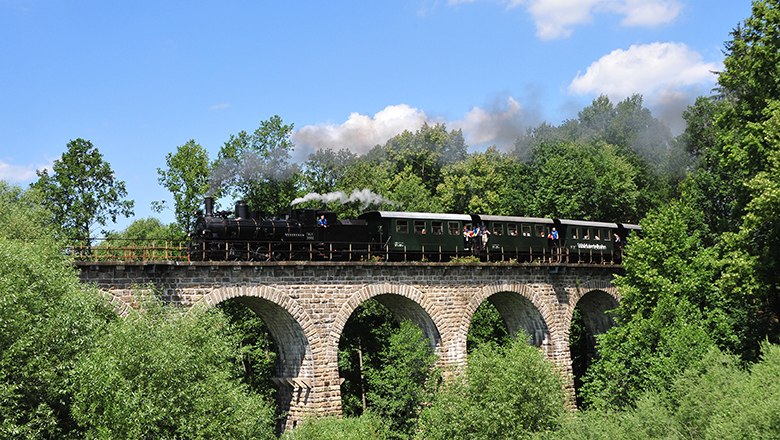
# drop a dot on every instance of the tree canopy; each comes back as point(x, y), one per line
point(82, 191)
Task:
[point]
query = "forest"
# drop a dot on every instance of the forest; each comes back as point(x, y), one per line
point(693, 354)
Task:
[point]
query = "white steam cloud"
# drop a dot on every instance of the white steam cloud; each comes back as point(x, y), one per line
point(363, 196)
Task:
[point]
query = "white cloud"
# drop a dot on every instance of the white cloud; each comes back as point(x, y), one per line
point(220, 106)
point(557, 18)
point(653, 70)
point(359, 133)
point(19, 173)
point(669, 76)
point(648, 13)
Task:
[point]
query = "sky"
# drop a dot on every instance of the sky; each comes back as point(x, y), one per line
point(140, 78)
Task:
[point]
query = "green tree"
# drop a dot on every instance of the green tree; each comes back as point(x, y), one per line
point(365, 335)
point(82, 191)
point(489, 182)
point(325, 169)
point(717, 398)
point(734, 184)
point(423, 152)
point(258, 352)
point(47, 320)
point(593, 182)
point(671, 312)
point(187, 179)
point(507, 392)
point(162, 374)
point(487, 326)
point(409, 192)
point(405, 381)
point(256, 167)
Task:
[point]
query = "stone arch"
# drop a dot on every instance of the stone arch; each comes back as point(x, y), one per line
point(406, 302)
point(594, 299)
point(291, 327)
point(521, 308)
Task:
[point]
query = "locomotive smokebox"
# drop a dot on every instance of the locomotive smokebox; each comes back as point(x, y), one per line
point(209, 202)
point(242, 209)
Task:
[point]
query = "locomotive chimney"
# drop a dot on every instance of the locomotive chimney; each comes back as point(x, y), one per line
point(242, 209)
point(209, 202)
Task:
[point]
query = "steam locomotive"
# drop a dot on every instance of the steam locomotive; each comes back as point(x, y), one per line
point(315, 234)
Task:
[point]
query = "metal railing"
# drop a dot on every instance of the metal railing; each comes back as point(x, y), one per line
point(141, 250)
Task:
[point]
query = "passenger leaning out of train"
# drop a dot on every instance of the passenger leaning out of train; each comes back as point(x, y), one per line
point(322, 221)
point(553, 236)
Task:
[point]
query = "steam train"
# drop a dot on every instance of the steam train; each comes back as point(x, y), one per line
point(314, 234)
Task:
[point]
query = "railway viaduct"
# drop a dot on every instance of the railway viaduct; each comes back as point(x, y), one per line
point(306, 305)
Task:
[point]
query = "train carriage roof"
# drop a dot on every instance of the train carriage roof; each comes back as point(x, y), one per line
point(511, 219)
point(414, 215)
point(567, 222)
point(630, 226)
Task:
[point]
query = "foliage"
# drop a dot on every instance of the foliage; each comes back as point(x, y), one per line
point(479, 184)
point(47, 319)
point(487, 326)
point(366, 333)
point(409, 193)
point(424, 152)
point(670, 312)
point(257, 353)
point(717, 399)
point(366, 427)
point(144, 239)
point(82, 190)
point(187, 178)
point(506, 393)
point(256, 167)
point(593, 182)
point(163, 374)
point(325, 169)
point(405, 380)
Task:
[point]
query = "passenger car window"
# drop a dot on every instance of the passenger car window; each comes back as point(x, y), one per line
point(454, 228)
point(437, 228)
point(511, 229)
point(498, 229)
point(419, 227)
point(402, 226)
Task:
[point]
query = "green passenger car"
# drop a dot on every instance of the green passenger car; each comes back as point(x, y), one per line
point(520, 238)
point(415, 235)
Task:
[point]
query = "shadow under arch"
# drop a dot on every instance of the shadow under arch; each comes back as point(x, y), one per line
point(404, 301)
point(519, 307)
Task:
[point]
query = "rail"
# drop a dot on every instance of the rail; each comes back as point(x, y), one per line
point(143, 250)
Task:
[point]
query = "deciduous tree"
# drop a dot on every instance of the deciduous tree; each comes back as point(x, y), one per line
point(187, 179)
point(82, 190)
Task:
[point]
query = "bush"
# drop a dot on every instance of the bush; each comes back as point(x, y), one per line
point(163, 374)
point(365, 427)
point(507, 392)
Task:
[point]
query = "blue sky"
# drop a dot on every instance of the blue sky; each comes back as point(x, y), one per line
point(141, 78)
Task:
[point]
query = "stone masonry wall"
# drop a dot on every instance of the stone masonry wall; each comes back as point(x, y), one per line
point(306, 306)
